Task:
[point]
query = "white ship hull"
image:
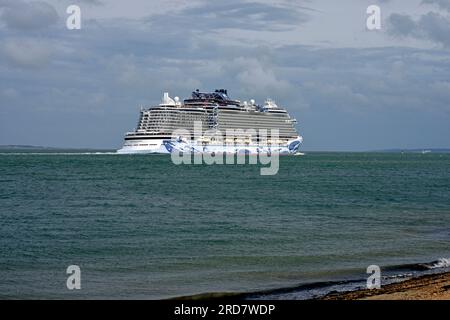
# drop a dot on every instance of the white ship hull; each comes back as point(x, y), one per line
point(165, 146)
point(143, 147)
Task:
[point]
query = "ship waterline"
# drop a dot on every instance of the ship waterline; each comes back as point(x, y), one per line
point(255, 128)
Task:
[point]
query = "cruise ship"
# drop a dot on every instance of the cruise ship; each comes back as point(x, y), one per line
point(174, 126)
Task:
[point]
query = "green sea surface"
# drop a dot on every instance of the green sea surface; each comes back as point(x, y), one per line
point(141, 227)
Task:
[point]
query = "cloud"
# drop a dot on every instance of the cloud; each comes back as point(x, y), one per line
point(442, 4)
point(436, 27)
point(101, 75)
point(401, 25)
point(9, 93)
point(26, 53)
point(27, 15)
point(256, 77)
point(233, 15)
point(431, 26)
point(92, 2)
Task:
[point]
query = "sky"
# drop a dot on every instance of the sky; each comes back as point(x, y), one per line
point(350, 88)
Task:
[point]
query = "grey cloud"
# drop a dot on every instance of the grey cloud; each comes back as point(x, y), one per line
point(436, 27)
point(442, 4)
point(431, 26)
point(27, 53)
point(97, 80)
point(401, 25)
point(27, 15)
point(92, 2)
point(9, 93)
point(234, 15)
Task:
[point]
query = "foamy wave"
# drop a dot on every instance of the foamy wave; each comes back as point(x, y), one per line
point(440, 263)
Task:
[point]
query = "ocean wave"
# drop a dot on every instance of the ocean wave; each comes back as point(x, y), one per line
point(313, 290)
point(437, 264)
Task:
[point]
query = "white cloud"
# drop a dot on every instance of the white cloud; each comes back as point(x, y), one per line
point(255, 78)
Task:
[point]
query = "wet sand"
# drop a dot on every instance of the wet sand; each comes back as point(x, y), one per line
point(427, 287)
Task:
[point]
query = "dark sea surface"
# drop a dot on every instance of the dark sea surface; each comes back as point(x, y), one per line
point(141, 227)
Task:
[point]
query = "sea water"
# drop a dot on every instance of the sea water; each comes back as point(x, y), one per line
point(139, 226)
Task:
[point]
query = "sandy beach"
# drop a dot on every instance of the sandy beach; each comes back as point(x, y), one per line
point(427, 287)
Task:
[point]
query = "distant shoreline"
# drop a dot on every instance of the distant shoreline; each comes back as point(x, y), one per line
point(44, 150)
point(29, 147)
point(56, 149)
point(424, 150)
